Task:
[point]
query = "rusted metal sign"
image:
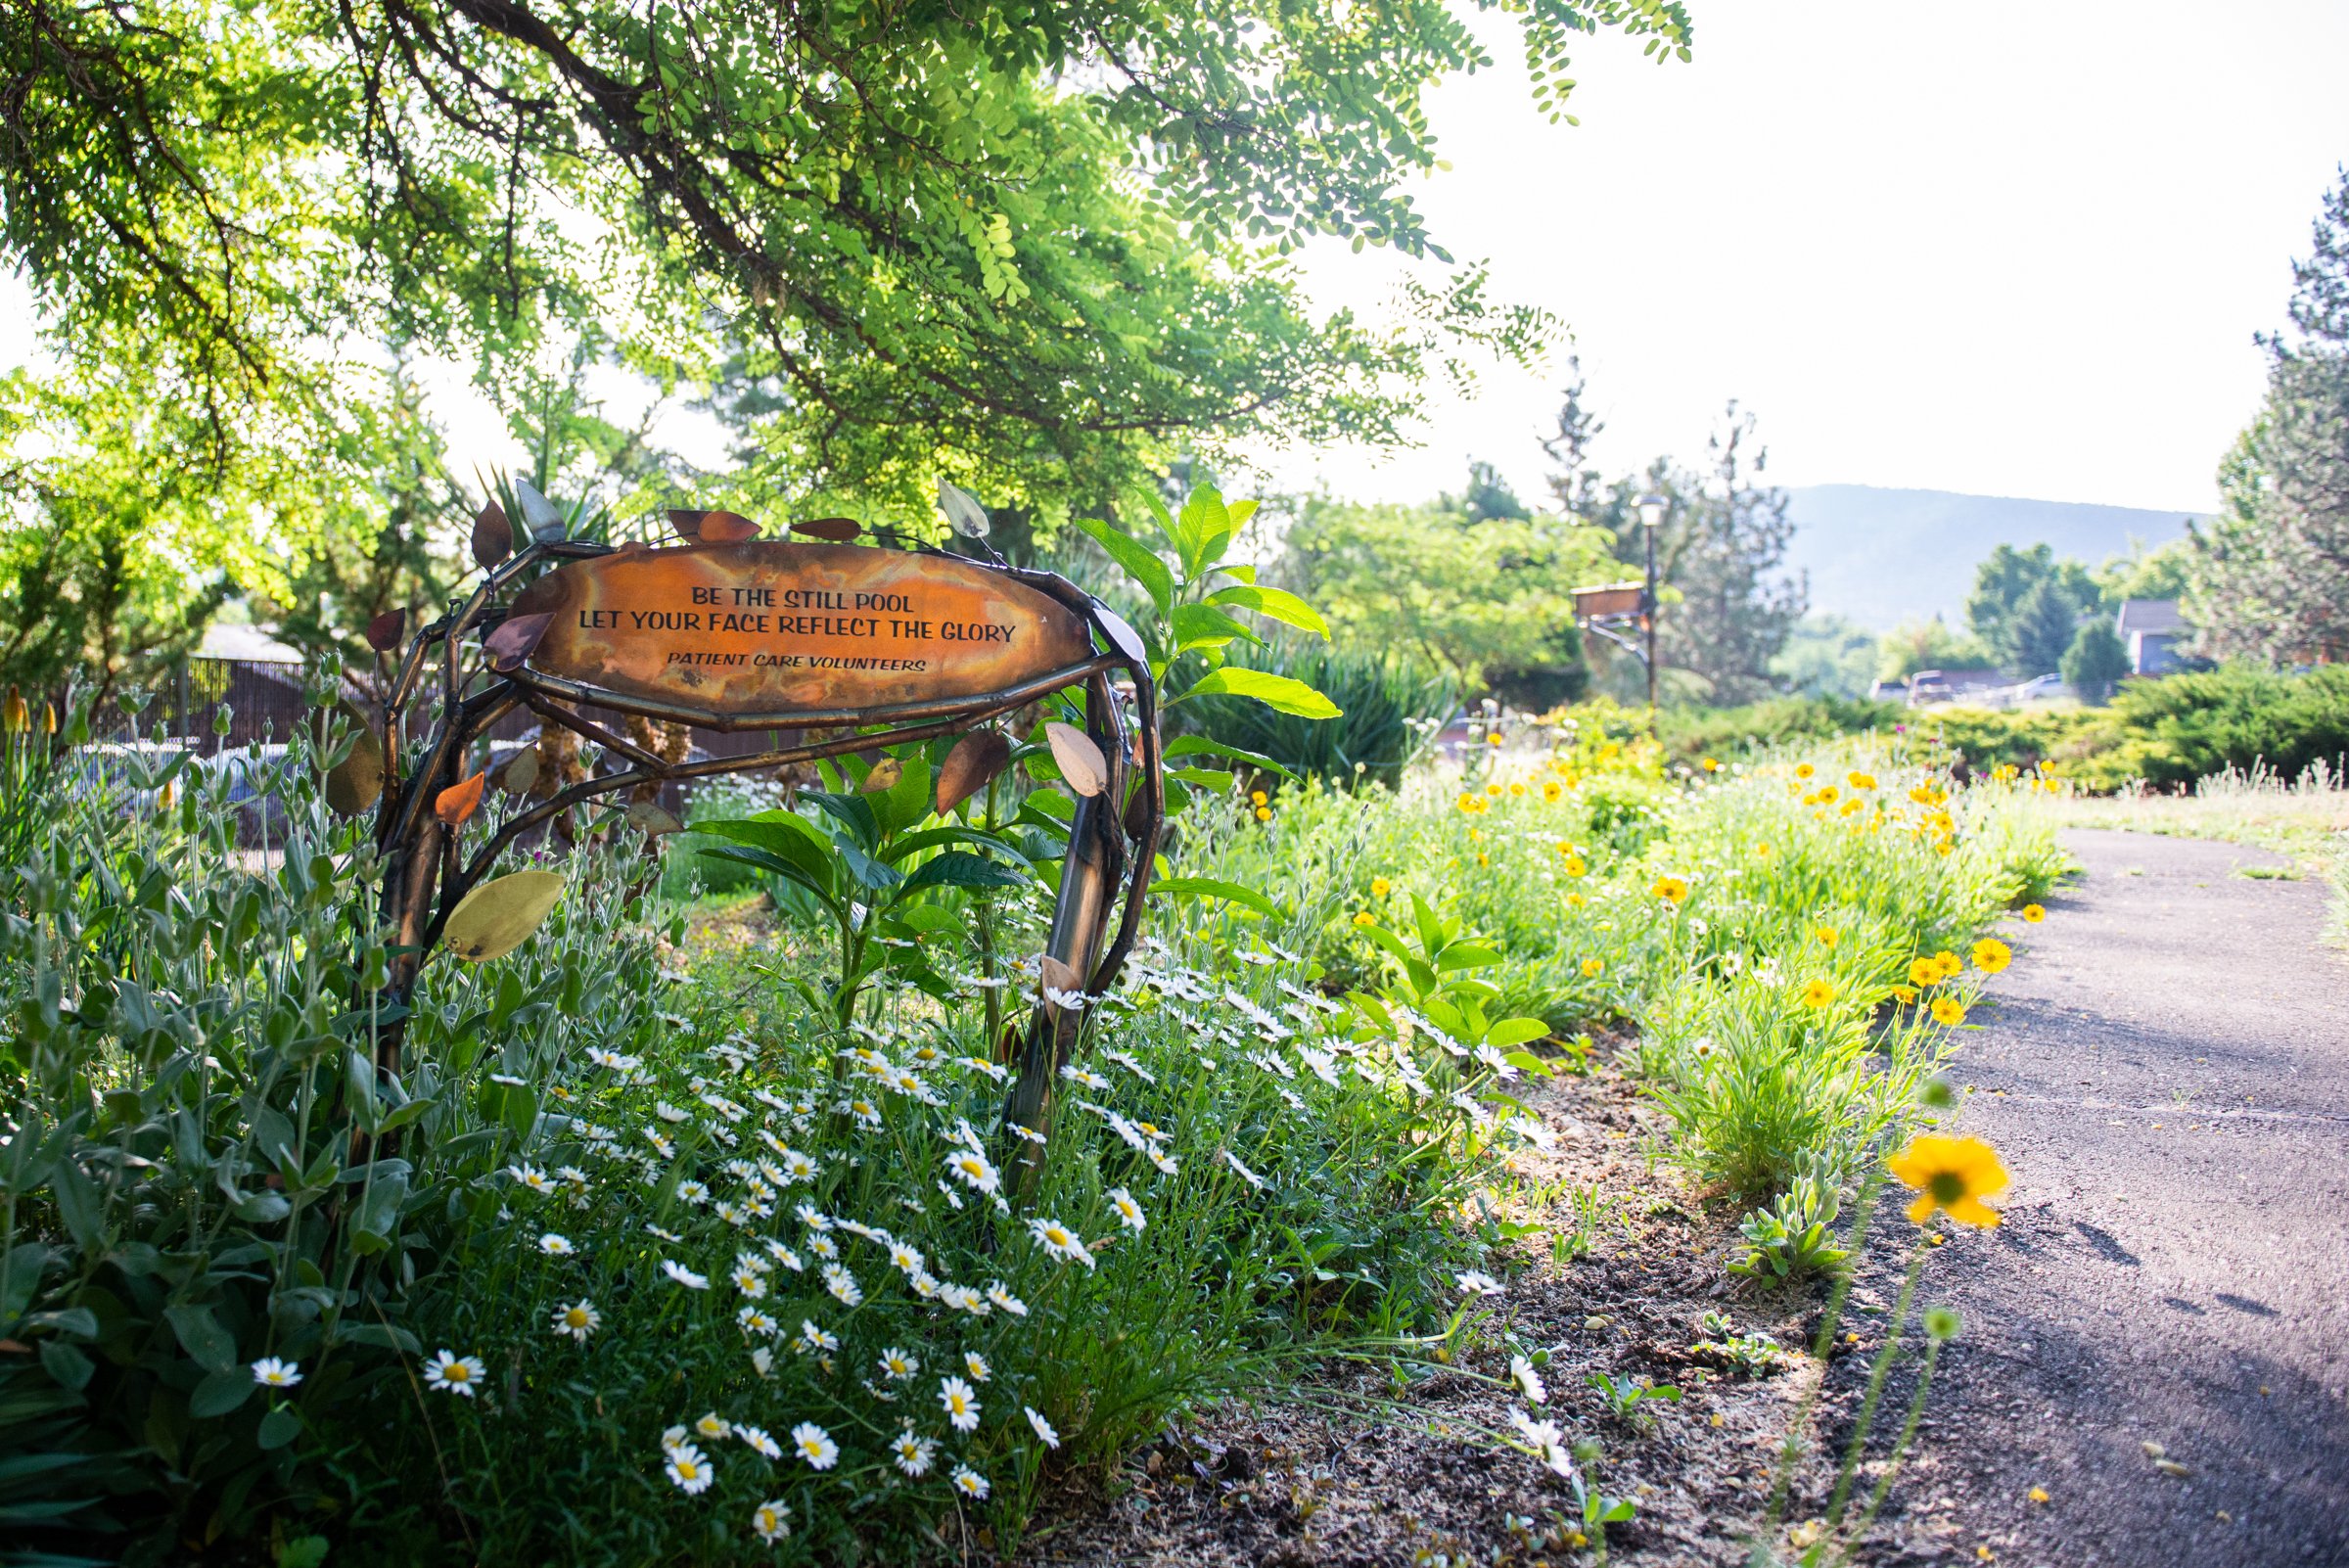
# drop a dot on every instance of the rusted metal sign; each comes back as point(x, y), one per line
point(1613, 599)
point(768, 631)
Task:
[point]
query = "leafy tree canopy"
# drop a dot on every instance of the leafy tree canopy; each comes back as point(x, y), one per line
point(2005, 578)
point(2270, 572)
point(1032, 244)
point(1480, 599)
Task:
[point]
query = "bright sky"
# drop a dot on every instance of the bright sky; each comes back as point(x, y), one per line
point(2012, 248)
point(2007, 248)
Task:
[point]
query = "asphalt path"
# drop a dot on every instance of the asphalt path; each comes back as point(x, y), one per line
point(2157, 1337)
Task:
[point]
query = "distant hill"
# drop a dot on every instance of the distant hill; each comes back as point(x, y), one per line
point(1881, 557)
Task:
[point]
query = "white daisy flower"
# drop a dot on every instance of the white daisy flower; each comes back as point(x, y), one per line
point(812, 1217)
point(770, 1521)
point(1129, 1212)
point(667, 1112)
point(573, 1175)
point(816, 1445)
point(1528, 1379)
point(923, 1283)
point(754, 1322)
point(913, 1454)
point(785, 1255)
point(817, 1337)
point(960, 1402)
point(824, 1246)
point(690, 1469)
point(684, 1276)
point(1028, 1133)
point(1476, 1282)
point(974, 1170)
point(1000, 1294)
point(906, 1260)
point(1059, 1241)
point(843, 1285)
point(762, 1361)
point(970, 1483)
point(664, 1233)
point(975, 1364)
point(750, 1281)
point(578, 1319)
point(1244, 1173)
point(979, 1064)
point(1547, 1440)
point(692, 1192)
point(673, 1440)
point(1043, 1428)
point(1164, 1161)
point(896, 1363)
point(530, 1177)
point(271, 1372)
point(453, 1374)
point(556, 1245)
point(1084, 1076)
point(713, 1427)
point(964, 1299)
point(755, 1437)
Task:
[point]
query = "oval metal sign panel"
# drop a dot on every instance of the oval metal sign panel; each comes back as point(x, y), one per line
point(770, 626)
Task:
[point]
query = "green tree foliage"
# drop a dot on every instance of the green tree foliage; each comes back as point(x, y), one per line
point(2271, 573)
point(1035, 246)
point(1719, 550)
point(2095, 662)
point(2042, 628)
point(2005, 579)
point(1826, 656)
point(1483, 601)
point(2160, 572)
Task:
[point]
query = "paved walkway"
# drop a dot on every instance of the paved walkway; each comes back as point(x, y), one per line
point(2166, 1072)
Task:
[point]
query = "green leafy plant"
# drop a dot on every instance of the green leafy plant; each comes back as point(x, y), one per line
point(1791, 1239)
point(1625, 1395)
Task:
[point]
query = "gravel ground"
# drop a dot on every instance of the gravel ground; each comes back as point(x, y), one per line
point(2158, 1336)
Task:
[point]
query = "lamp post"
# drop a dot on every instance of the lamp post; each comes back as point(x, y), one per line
point(1651, 517)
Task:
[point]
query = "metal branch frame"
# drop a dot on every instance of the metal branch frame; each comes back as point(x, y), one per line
point(1113, 836)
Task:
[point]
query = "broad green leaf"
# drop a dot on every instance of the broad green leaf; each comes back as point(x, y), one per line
point(744, 855)
point(1201, 746)
point(1277, 692)
point(1214, 888)
point(200, 1334)
point(1274, 604)
point(785, 837)
point(957, 869)
point(1516, 1031)
point(1528, 1062)
point(1135, 560)
point(1199, 625)
point(220, 1393)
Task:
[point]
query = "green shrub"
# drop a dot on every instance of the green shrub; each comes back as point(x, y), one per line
point(2189, 726)
point(1691, 733)
point(1390, 710)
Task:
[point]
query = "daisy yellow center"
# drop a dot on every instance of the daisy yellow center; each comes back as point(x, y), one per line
point(458, 1373)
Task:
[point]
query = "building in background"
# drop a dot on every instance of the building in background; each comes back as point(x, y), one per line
point(2151, 629)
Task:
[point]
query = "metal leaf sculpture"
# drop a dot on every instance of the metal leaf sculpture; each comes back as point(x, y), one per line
point(1082, 763)
point(511, 643)
point(492, 536)
point(521, 772)
point(964, 514)
point(884, 776)
point(453, 805)
point(970, 767)
point(384, 630)
point(727, 528)
point(499, 915)
point(355, 784)
point(538, 514)
point(654, 818)
point(838, 530)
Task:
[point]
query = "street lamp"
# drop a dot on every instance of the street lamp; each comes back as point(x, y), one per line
point(1651, 517)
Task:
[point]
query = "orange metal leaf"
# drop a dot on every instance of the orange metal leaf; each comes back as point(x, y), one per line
point(453, 805)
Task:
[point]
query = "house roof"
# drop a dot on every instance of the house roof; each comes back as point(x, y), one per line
point(2150, 616)
point(244, 645)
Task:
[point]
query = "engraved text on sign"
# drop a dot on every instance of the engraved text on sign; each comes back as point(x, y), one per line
point(768, 626)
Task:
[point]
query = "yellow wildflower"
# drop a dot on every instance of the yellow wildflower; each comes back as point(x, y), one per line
point(2032, 915)
point(1953, 1174)
point(1380, 887)
point(1593, 968)
point(1804, 770)
point(1861, 781)
point(1924, 972)
point(1819, 993)
point(1991, 956)
point(1258, 798)
point(1551, 790)
point(1948, 1011)
point(1672, 889)
point(1363, 917)
point(1827, 936)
